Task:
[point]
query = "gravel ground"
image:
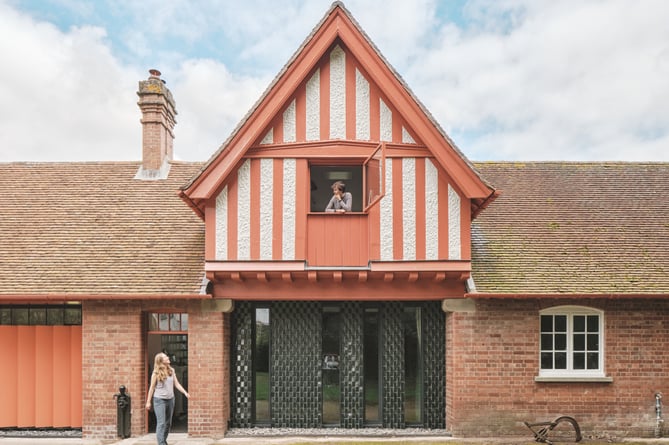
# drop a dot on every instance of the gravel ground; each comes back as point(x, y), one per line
point(40, 432)
point(362, 432)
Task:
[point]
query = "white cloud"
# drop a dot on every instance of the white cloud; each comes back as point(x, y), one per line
point(567, 80)
point(61, 93)
point(214, 101)
point(521, 80)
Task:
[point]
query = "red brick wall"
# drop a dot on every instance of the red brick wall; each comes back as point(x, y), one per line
point(209, 369)
point(114, 354)
point(492, 360)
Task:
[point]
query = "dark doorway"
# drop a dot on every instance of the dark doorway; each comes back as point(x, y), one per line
point(168, 333)
point(330, 366)
point(371, 366)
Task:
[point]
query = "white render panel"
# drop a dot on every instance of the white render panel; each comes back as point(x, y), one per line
point(266, 196)
point(244, 211)
point(313, 110)
point(289, 123)
point(337, 93)
point(406, 137)
point(386, 121)
point(222, 225)
point(362, 103)
point(409, 209)
point(431, 211)
point(454, 249)
point(289, 193)
point(386, 229)
point(269, 137)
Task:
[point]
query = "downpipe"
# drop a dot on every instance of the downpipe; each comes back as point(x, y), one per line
point(658, 415)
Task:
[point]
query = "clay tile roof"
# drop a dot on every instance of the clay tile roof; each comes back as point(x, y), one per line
point(576, 228)
point(90, 228)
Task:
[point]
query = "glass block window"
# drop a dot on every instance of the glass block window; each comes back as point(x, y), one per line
point(571, 342)
point(41, 315)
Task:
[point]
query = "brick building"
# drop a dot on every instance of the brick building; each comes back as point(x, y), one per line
point(462, 296)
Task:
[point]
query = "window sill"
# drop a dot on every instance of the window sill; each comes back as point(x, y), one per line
point(337, 213)
point(568, 379)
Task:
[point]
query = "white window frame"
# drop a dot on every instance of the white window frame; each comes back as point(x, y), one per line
point(570, 372)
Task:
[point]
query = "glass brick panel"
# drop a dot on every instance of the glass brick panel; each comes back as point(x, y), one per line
point(54, 316)
point(37, 316)
point(5, 316)
point(72, 315)
point(434, 352)
point(21, 316)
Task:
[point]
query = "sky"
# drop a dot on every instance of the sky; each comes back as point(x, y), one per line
point(508, 80)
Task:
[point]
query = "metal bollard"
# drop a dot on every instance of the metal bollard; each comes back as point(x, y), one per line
point(122, 412)
point(659, 422)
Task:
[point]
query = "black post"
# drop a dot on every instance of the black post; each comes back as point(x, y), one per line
point(122, 413)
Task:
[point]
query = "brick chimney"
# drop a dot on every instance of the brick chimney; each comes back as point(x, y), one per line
point(158, 111)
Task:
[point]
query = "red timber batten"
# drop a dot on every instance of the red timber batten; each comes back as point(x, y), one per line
point(43, 384)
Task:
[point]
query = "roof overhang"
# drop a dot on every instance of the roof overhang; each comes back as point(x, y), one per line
point(295, 280)
point(77, 297)
point(554, 296)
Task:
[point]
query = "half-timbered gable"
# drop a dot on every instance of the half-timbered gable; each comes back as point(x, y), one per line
point(337, 111)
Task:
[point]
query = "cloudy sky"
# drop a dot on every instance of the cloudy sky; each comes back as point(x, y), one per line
point(575, 80)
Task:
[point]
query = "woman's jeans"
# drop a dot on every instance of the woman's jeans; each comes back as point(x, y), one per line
point(164, 408)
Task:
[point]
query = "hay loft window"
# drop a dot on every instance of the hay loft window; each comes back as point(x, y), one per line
point(364, 180)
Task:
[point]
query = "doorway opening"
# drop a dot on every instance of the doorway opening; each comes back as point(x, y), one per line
point(168, 333)
point(330, 342)
point(300, 364)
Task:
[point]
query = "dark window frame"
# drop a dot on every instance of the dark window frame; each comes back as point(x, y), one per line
point(41, 315)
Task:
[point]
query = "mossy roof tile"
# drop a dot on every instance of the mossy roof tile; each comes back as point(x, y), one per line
point(573, 228)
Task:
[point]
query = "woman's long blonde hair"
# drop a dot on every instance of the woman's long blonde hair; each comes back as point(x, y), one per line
point(160, 369)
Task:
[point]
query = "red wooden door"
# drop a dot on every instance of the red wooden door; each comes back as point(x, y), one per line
point(42, 376)
point(337, 239)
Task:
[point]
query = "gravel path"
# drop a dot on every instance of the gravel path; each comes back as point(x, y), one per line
point(362, 432)
point(38, 432)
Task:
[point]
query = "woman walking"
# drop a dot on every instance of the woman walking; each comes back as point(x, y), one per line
point(163, 382)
